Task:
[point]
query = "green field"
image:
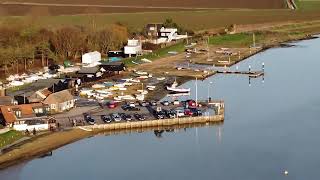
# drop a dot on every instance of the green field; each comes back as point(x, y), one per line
point(308, 5)
point(236, 40)
point(10, 137)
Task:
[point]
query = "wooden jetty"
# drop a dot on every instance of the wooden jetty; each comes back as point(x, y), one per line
point(252, 74)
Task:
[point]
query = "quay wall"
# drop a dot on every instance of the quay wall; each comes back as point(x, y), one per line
point(156, 123)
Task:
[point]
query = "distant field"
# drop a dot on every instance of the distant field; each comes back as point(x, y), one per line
point(195, 20)
point(67, 7)
point(308, 4)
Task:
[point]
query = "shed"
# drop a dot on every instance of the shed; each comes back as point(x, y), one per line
point(91, 57)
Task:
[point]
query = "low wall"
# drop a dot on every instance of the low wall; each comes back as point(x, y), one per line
point(157, 123)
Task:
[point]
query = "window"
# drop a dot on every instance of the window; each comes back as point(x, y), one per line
point(53, 106)
point(17, 113)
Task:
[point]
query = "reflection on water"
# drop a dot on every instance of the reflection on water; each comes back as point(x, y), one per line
point(270, 126)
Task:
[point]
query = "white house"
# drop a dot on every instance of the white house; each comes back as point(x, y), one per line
point(91, 57)
point(134, 47)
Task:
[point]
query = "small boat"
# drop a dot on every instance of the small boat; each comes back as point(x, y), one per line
point(98, 86)
point(178, 90)
point(173, 88)
point(135, 80)
point(146, 60)
point(161, 78)
point(143, 91)
point(141, 73)
point(143, 77)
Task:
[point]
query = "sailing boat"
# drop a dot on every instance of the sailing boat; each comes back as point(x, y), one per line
point(173, 88)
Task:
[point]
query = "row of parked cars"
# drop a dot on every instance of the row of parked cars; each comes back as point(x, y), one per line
point(117, 117)
point(132, 106)
point(114, 117)
point(178, 112)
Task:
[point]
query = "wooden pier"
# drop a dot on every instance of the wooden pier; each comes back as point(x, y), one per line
point(252, 74)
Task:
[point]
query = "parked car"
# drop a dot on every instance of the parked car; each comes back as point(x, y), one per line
point(127, 107)
point(160, 114)
point(139, 117)
point(170, 113)
point(115, 117)
point(143, 103)
point(176, 102)
point(190, 103)
point(153, 103)
point(106, 118)
point(179, 112)
point(89, 119)
point(112, 105)
point(196, 112)
point(165, 103)
point(125, 117)
point(188, 112)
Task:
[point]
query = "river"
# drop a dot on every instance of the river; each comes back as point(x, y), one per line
point(270, 126)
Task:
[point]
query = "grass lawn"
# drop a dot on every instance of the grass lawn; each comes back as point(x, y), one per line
point(10, 137)
point(236, 40)
point(160, 53)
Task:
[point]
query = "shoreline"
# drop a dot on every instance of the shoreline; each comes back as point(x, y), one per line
point(34, 147)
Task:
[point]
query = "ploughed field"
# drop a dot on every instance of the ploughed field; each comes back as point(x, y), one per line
point(58, 7)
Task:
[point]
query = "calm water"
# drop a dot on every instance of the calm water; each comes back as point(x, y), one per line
point(270, 127)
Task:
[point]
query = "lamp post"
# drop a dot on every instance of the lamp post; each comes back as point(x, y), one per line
point(209, 86)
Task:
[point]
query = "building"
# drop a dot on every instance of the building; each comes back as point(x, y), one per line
point(113, 67)
point(39, 95)
point(91, 58)
point(60, 101)
point(27, 116)
point(153, 29)
point(134, 47)
point(159, 34)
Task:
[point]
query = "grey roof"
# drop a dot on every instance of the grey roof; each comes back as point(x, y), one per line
point(89, 70)
point(35, 86)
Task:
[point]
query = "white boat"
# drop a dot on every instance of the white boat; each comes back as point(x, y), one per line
point(152, 87)
point(143, 77)
point(135, 80)
point(143, 91)
point(178, 90)
point(173, 88)
point(161, 78)
point(141, 73)
point(140, 97)
point(146, 60)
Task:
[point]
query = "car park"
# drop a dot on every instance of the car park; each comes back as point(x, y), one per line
point(106, 118)
point(115, 117)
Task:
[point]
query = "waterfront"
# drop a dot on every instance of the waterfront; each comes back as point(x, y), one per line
point(269, 127)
